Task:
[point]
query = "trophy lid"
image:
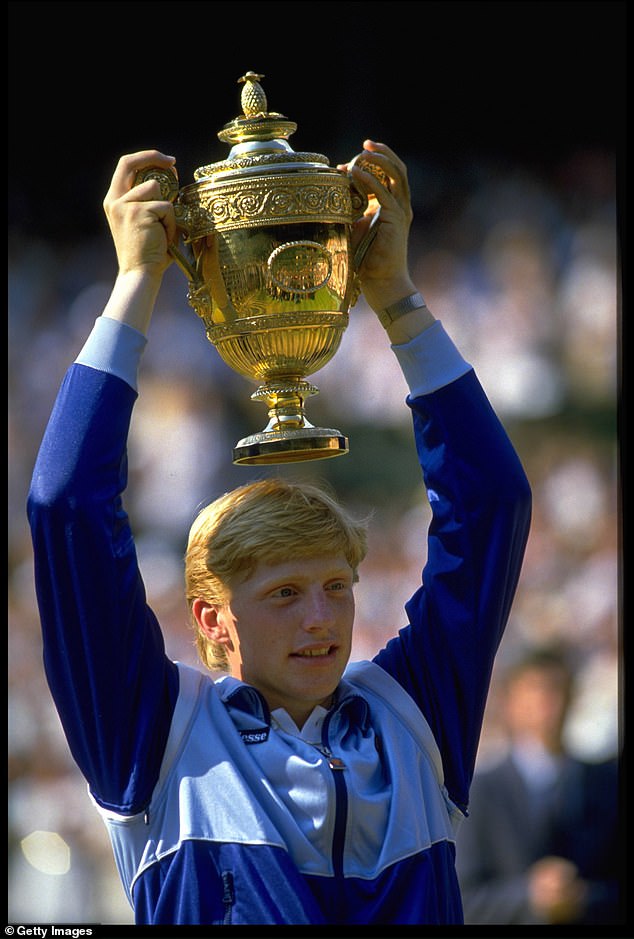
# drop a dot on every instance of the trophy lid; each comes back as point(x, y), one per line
point(259, 138)
point(256, 122)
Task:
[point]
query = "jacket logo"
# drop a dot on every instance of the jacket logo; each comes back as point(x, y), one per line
point(255, 736)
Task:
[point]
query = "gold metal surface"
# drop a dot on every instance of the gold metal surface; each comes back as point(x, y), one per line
point(270, 268)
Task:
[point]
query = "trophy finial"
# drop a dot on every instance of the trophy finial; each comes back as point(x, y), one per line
point(253, 99)
point(256, 123)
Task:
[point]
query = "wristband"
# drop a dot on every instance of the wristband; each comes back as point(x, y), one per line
point(394, 312)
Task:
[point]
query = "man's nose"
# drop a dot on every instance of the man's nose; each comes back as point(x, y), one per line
point(318, 611)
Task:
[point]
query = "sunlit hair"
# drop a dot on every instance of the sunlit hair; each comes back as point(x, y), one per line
point(271, 520)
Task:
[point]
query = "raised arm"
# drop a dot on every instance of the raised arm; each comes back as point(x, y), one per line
point(477, 489)
point(103, 651)
point(385, 277)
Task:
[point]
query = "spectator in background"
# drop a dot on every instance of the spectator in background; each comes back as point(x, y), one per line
point(540, 845)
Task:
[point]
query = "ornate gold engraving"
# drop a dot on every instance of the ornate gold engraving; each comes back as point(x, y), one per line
point(271, 272)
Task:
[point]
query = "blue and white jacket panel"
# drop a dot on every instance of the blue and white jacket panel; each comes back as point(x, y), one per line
point(195, 786)
point(261, 789)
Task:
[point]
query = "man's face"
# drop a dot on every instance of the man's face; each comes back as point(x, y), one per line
point(536, 704)
point(289, 631)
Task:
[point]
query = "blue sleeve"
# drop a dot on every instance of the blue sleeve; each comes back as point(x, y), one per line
point(115, 348)
point(481, 504)
point(112, 683)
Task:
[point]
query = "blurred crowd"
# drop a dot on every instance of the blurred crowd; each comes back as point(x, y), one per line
point(522, 267)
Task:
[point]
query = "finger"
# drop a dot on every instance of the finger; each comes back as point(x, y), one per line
point(387, 163)
point(147, 191)
point(378, 192)
point(382, 150)
point(129, 165)
point(160, 211)
point(377, 171)
point(168, 221)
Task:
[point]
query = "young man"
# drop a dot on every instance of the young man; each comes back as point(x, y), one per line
point(290, 788)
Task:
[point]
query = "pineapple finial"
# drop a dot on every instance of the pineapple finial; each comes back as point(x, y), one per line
point(252, 98)
point(256, 122)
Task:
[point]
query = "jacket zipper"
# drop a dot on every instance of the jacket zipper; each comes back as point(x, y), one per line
point(228, 896)
point(341, 801)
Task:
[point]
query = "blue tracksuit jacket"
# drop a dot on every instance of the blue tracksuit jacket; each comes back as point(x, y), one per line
point(215, 815)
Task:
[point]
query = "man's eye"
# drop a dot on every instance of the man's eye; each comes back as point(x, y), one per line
point(284, 592)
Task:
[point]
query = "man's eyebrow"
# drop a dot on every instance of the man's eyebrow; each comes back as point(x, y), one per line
point(299, 574)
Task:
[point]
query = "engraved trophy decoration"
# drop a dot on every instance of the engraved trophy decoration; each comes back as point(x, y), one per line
point(271, 271)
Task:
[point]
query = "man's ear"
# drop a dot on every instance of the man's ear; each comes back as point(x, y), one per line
point(211, 625)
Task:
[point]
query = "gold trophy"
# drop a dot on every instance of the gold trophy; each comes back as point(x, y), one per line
point(270, 269)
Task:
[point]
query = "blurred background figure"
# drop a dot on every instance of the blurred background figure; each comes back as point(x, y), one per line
point(540, 844)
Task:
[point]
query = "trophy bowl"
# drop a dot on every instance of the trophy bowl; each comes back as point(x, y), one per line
point(271, 270)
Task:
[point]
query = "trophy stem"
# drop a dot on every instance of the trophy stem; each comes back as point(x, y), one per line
point(288, 437)
point(286, 403)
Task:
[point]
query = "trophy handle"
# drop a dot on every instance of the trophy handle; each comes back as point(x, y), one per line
point(168, 182)
point(366, 241)
point(370, 235)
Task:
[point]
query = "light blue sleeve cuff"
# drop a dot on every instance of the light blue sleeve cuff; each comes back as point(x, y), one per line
point(115, 348)
point(430, 361)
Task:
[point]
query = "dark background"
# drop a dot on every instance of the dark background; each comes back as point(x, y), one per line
point(444, 82)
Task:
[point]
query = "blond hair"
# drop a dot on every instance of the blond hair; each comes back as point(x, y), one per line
point(271, 520)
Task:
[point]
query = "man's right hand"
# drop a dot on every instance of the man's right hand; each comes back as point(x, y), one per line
point(142, 224)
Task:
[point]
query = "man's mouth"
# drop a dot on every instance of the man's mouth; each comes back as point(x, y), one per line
point(314, 652)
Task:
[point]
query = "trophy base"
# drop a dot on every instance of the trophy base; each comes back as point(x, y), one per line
point(290, 446)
